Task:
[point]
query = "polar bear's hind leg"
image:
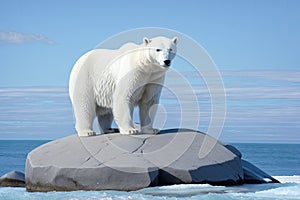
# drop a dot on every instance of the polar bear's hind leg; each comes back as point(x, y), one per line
point(105, 118)
point(84, 114)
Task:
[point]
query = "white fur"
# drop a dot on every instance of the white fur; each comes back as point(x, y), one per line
point(108, 84)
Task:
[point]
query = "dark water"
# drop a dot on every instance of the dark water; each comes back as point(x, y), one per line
point(13, 153)
point(275, 159)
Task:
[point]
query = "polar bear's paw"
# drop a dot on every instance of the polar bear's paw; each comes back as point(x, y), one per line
point(131, 131)
point(150, 130)
point(86, 133)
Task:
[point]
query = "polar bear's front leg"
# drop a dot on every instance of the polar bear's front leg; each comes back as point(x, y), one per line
point(129, 88)
point(123, 111)
point(148, 108)
point(147, 117)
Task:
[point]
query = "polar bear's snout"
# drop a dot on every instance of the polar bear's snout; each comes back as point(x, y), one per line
point(165, 57)
point(167, 62)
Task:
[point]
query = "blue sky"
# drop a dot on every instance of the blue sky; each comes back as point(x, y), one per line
point(41, 40)
point(255, 45)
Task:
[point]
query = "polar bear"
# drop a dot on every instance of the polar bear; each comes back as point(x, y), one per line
point(108, 84)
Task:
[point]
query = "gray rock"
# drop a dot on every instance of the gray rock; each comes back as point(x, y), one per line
point(219, 166)
point(122, 162)
point(233, 150)
point(253, 174)
point(13, 179)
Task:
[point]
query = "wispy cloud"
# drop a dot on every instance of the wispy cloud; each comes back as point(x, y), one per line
point(12, 37)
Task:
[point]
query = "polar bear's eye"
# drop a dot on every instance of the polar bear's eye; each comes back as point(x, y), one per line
point(171, 49)
point(158, 50)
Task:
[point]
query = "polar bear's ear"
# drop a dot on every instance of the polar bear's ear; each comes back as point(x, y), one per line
point(175, 40)
point(146, 40)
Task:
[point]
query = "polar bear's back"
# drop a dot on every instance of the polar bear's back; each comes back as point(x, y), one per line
point(127, 47)
point(92, 64)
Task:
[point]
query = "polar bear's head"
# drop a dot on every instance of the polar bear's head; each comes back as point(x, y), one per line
point(162, 50)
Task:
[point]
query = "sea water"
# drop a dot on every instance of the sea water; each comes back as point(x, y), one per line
point(279, 160)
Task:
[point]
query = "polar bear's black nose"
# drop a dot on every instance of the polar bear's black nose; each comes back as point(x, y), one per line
point(167, 62)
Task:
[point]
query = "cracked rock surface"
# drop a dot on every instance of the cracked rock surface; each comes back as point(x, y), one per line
point(131, 162)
